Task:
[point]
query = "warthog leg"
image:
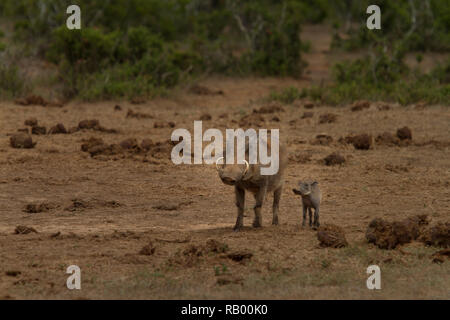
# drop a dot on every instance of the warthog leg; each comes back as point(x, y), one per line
point(240, 203)
point(259, 197)
point(310, 216)
point(276, 203)
point(304, 216)
point(316, 218)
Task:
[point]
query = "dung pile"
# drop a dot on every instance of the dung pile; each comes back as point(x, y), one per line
point(388, 235)
point(332, 236)
point(193, 253)
point(437, 235)
point(21, 141)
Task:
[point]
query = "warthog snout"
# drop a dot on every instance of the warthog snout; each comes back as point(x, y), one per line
point(231, 173)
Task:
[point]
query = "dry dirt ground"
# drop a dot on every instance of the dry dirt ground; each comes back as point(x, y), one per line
point(103, 211)
point(123, 203)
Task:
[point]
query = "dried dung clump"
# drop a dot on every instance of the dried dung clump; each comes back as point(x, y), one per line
point(438, 235)
point(388, 235)
point(240, 256)
point(300, 157)
point(332, 236)
point(130, 143)
point(138, 115)
point(360, 105)
point(404, 133)
point(38, 130)
point(24, 230)
point(37, 208)
point(38, 101)
point(147, 144)
point(94, 124)
point(308, 105)
point(322, 139)
point(229, 279)
point(31, 122)
point(148, 250)
point(327, 118)
point(163, 124)
point(307, 115)
point(334, 159)
point(272, 108)
point(58, 129)
point(252, 120)
point(387, 138)
point(21, 140)
point(192, 254)
point(360, 142)
point(205, 117)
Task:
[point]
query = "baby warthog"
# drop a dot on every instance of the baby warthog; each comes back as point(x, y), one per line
point(245, 176)
point(311, 197)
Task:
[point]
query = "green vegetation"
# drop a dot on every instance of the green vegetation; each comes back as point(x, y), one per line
point(129, 48)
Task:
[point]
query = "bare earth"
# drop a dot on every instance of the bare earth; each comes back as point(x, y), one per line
point(104, 210)
point(128, 204)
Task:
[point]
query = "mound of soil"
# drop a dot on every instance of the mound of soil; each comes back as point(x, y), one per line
point(322, 139)
point(31, 122)
point(334, 159)
point(21, 140)
point(438, 235)
point(327, 118)
point(58, 129)
point(37, 208)
point(38, 130)
point(404, 133)
point(388, 235)
point(272, 108)
point(24, 230)
point(333, 236)
point(307, 115)
point(148, 250)
point(360, 105)
point(440, 256)
point(138, 115)
point(204, 91)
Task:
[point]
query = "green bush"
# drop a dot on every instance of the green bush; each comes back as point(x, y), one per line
point(11, 83)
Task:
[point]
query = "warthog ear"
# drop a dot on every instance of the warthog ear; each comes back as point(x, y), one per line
point(314, 183)
point(297, 191)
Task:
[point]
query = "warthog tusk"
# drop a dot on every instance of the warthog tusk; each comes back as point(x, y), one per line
point(218, 161)
point(246, 167)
